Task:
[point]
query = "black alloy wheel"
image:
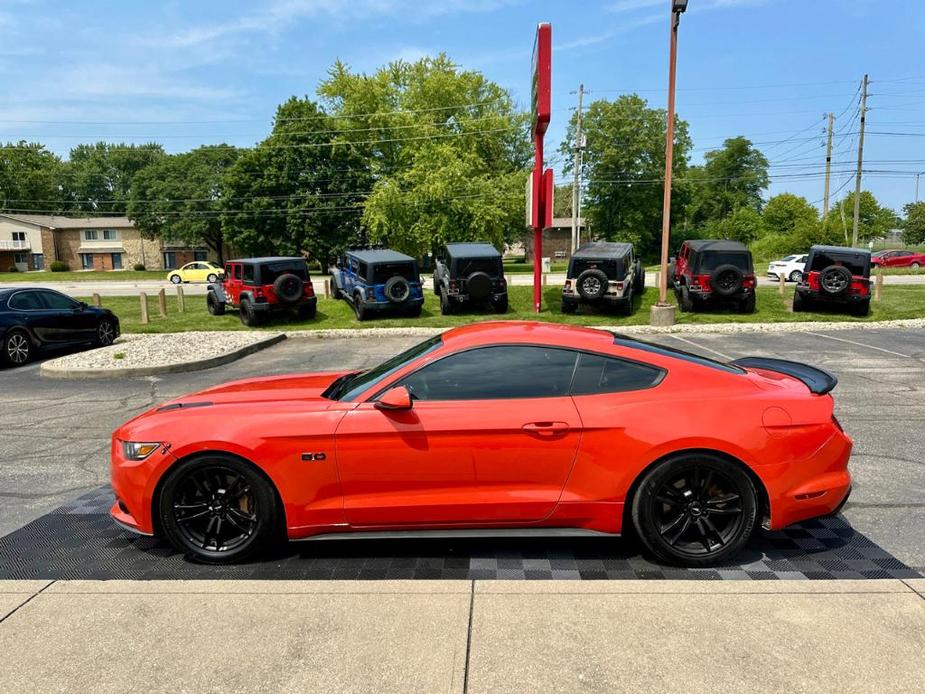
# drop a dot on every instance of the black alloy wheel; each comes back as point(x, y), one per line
point(217, 509)
point(695, 510)
point(726, 280)
point(288, 288)
point(397, 289)
point(17, 349)
point(835, 279)
point(105, 333)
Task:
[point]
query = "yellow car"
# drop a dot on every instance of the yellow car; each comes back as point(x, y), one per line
point(200, 271)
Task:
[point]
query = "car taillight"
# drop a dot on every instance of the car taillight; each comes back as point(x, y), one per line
point(258, 292)
point(308, 289)
point(701, 282)
point(618, 286)
point(453, 287)
point(370, 293)
point(568, 284)
point(748, 282)
point(813, 281)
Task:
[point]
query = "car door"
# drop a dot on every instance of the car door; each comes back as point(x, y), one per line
point(35, 315)
point(491, 438)
point(233, 281)
point(65, 319)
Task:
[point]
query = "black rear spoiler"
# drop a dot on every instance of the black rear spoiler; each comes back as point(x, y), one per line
point(817, 380)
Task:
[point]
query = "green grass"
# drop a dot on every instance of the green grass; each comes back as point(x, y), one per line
point(88, 276)
point(897, 302)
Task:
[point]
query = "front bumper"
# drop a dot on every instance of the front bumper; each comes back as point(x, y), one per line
point(133, 482)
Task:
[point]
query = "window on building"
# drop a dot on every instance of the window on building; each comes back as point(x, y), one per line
point(20, 258)
point(86, 261)
point(110, 235)
point(90, 235)
point(116, 261)
point(200, 255)
point(170, 260)
point(38, 261)
point(19, 236)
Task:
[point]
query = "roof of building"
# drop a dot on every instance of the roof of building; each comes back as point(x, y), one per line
point(472, 250)
point(560, 222)
point(380, 255)
point(596, 249)
point(716, 245)
point(52, 221)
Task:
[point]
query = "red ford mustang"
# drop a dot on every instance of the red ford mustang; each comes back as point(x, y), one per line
point(492, 429)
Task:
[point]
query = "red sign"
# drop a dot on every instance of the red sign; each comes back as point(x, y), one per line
point(542, 78)
point(549, 188)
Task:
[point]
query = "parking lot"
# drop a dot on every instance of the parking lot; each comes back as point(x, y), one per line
point(53, 472)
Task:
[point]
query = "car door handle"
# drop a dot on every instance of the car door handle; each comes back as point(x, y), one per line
point(548, 428)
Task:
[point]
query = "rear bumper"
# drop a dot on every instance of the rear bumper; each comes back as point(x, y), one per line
point(411, 301)
point(807, 293)
point(265, 307)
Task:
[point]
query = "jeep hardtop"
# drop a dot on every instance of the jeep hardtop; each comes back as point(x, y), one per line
point(712, 272)
point(378, 280)
point(259, 286)
point(835, 276)
point(470, 273)
point(603, 273)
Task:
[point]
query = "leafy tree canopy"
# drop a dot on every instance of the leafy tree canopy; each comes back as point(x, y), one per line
point(30, 178)
point(874, 220)
point(732, 177)
point(914, 224)
point(785, 212)
point(98, 177)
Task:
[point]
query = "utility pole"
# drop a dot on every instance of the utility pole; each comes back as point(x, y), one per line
point(828, 167)
point(576, 182)
point(857, 181)
point(917, 185)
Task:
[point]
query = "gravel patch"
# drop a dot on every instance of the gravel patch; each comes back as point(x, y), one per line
point(160, 352)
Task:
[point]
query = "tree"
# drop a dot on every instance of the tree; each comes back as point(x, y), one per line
point(624, 165)
point(301, 189)
point(914, 224)
point(29, 178)
point(874, 220)
point(562, 201)
point(447, 147)
point(743, 224)
point(732, 177)
point(785, 212)
point(179, 197)
point(98, 177)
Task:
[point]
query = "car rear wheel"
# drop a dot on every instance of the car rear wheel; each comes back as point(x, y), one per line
point(212, 278)
point(500, 305)
point(306, 311)
point(217, 509)
point(248, 315)
point(695, 509)
point(105, 333)
point(747, 305)
point(176, 279)
point(861, 309)
point(17, 348)
point(569, 307)
point(446, 308)
point(796, 276)
point(915, 266)
point(685, 301)
point(358, 308)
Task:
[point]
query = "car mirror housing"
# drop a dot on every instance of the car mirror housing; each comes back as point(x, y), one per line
point(397, 398)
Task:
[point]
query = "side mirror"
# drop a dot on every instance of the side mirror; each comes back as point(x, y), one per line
point(82, 305)
point(397, 398)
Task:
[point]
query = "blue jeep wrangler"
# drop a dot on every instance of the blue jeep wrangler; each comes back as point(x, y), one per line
point(378, 280)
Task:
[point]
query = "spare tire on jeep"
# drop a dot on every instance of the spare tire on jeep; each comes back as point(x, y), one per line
point(478, 284)
point(397, 289)
point(288, 288)
point(835, 279)
point(592, 284)
point(726, 280)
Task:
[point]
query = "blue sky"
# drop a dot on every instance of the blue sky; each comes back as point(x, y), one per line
point(189, 73)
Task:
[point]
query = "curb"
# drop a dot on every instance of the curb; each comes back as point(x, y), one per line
point(49, 371)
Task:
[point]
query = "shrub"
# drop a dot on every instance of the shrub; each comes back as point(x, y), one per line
point(58, 266)
point(139, 267)
point(13, 268)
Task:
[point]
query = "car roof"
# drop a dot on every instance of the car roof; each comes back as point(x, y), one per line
point(269, 259)
point(380, 255)
point(843, 250)
point(472, 250)
point(501, 332)
point(700, 245)
point(596, 249)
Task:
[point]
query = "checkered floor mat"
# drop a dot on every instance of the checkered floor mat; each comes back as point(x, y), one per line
point(79, 540)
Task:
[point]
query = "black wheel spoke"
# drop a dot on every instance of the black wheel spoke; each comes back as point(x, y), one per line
point(712, 531)
point(707, 481)
point(725, 511)
point(238, 513)
point(193, 516)
point(720, 500)
point(673, 540)
point(704, 535)
point(671, 501)
point(673, 524)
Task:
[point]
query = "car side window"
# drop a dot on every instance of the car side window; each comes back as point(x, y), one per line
point(228, 271)
point(26, 301)
point(495, 373)
point(249, 274)
point(237, 272)
point(597, 374)
point(56, 301)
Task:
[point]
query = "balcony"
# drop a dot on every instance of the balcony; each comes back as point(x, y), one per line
point(7, 245)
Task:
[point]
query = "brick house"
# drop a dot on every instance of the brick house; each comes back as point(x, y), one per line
point(557, 239)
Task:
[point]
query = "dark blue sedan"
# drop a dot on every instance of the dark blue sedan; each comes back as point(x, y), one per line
point(34, 319)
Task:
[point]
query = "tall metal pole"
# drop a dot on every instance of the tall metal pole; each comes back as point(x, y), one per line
point(917, 185)
point(857, 180)
point(669, 154)
point(576, 192)
point(828, 167)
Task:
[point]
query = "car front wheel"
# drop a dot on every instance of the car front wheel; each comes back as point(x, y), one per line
point(695, 509)
point(176, 279)
point(212, 278)
point(217, 509)
point(105, 333)
point(17, 349)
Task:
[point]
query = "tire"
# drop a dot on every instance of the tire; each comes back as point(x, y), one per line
point(639, 280)
point(625, 307)
point(176, 279)
point(413, 311)
point(225, 491)
point(248, 315)
point(288, 288)
point(915, 266)
point(212, 278)
point(695, 509)
point(747, 305)
point(796, 276)
point(336, 292)
point(726, 280)
point(105, 333)
point(835, 280)
point(446, 308)
point(358, 308)
point(592, 284)
point(800, 303)
point(569, 307)
point(306, 311)
point(861, 309)
point(478, 286)
point(397, 289)
point(685, 301)
point(17, 348)
point(214, 306)
point(436, 286)
point(500, 305)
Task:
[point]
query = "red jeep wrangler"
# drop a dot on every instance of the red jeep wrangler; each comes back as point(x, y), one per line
point(259, 286)
point(711, 272)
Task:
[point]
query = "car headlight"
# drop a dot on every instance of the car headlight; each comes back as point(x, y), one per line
point(135, 450)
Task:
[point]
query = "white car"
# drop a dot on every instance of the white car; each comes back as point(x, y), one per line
point(790, 268)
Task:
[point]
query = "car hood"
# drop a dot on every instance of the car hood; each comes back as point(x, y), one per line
point(288, 388)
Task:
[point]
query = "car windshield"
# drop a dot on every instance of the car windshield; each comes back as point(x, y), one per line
point(612, 267)
point(712, 260)
point(788, 258)
point(348, 387)
point(270, 271)
point(382, 272)
point(857, 264)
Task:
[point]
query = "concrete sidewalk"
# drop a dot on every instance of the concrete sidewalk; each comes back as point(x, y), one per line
point(507, 636)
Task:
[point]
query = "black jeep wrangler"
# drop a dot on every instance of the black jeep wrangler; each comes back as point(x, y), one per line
point(470, 273)
point(378, 279)
point(713, 272)
point(603, 273)
point(835, 276)
point(259, 286)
